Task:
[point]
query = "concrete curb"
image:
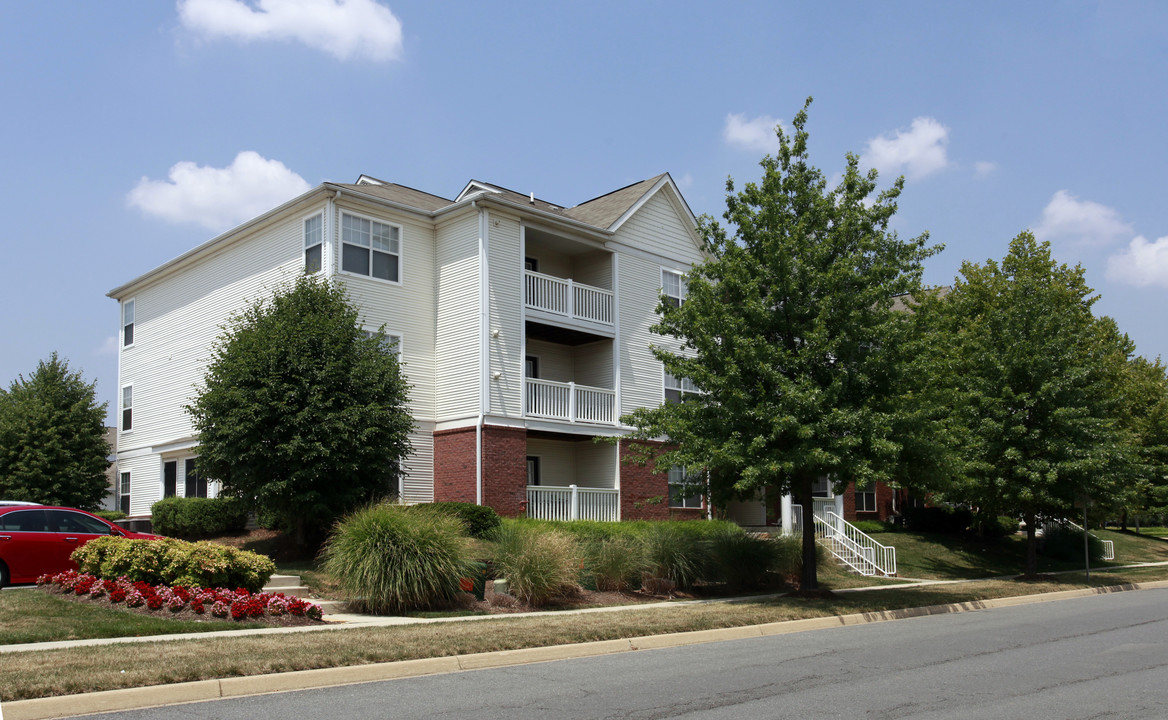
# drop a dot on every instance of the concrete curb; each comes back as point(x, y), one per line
point(202, 690)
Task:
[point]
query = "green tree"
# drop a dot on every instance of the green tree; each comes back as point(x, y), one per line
point(1031, 379)
point(302, 413)
point(789, 335)
point(1145, 414)
point(52, 439)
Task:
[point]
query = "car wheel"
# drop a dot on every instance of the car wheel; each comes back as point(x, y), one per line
point(3, 574)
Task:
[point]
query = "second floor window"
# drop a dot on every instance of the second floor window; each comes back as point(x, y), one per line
point(676, 389)
point(127, 408)
point(674, 287)
point(127, 323)
point(370, 248)
point(313, 243)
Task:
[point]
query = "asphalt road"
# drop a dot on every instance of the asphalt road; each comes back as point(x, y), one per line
point(1094, 657)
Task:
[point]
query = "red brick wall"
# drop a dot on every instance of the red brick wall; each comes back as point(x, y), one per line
point(505, 470)
point(454, 465)
point(883, 504)
point(644, 494)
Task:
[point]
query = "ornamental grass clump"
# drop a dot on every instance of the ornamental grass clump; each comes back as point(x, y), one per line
point(614, 563)
point(678, 552)
point(539, 563)
point(740, 560)
point(391, 559)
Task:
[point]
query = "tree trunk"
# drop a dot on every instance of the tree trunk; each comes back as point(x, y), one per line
point(809, 578)
point(1031, 546)
point(1123, 521)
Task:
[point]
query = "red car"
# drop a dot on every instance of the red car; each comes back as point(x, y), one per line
point(38, 539)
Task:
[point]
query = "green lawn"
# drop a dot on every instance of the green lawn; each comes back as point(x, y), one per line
point(32, 615)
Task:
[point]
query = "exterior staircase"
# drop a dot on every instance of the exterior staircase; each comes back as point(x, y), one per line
point(849, 545)
point(290, 585)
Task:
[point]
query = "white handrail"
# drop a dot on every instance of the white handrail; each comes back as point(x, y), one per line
point(562, 296)
point(853, 547)
point(569, 401)
point(1108, 545)
point(573, 503)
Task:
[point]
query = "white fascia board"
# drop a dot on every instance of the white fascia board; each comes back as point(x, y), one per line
point(216, 243)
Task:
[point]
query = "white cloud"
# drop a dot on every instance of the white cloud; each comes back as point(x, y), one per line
point(218, 198)
point(751, 134)
point(108, 347)
point(918, 152)
point(1066, 216)
point(984, 168)
point(1141, 263)
point(343, 28)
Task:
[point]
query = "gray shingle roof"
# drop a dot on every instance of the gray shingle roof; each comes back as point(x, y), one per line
point(607, 209)
point(400, 194)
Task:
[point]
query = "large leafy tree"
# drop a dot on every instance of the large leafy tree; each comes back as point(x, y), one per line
point(301, 412)
point(52, 439)
point(1144, 393)
point(789, 335)
point(1032, 380)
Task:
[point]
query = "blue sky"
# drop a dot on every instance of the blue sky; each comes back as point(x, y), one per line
point(134, 131)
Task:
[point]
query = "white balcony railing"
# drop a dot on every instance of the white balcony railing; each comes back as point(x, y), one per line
point(568, 298)
point(568, 401)
point(573, 503)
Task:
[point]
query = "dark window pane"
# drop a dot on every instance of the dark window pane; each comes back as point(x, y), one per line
point(170, 479)
point(672, 396)
point(128, 335)
point(24, 521)
point(66, 521)
point(128, 419)
point(355, 259)
point(385, 266)
point(125, 504)
point(312, 259)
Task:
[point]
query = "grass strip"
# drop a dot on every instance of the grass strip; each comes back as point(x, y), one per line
point(78, 670)
point(35, 616)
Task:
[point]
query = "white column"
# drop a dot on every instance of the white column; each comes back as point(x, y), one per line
point(787, 519)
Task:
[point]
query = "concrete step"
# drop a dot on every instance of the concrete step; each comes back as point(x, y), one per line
point(277, 581)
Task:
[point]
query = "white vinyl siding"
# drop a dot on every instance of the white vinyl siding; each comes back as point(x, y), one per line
point(640, 283)
point(506, 316)
point(658, 229)
point(555, 360)
point(582, 463)
point(456, 350)
point(592, 364)
point(418, 484)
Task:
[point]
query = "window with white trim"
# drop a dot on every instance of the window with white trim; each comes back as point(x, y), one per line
point(124, 493)
point(127, 323)
point(685, 490)
point(821, 487)
point(127, 408)
point(370, 248)
point(313, 243)
point(674, 287)
point(676, 389)
point(194, 484)
point(866, 497)
point(390, 342)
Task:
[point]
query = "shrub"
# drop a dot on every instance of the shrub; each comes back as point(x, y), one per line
point(613, 563)
point(788, 558)
point(388, 558)
point(174, 562)
point(943, 520)
point(1064, 543)
point(480, 520)
point(676, 553)
point(873, 526)
point(194, 517)
point(998, 527)
point(110, 515)
point(740, 560)
point(539, 562)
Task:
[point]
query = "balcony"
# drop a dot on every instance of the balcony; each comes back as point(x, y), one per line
point(573, 503)
point(564, 299)
point(568, 401)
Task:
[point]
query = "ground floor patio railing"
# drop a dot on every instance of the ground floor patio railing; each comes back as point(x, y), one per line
point(572, 503)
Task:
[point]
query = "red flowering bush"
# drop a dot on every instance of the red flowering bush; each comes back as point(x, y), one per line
point(239, 604)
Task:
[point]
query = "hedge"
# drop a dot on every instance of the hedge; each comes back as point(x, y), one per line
point(174, 562)
point(193, 517)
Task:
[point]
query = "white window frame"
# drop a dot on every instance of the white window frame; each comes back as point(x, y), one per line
point(133, 306)
point(123, 408)
point(686, 502)
point(682, 386)
point(681, 282)
point(371, 249)
point(385, 337)
point(319, 217)
point(124, 492)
